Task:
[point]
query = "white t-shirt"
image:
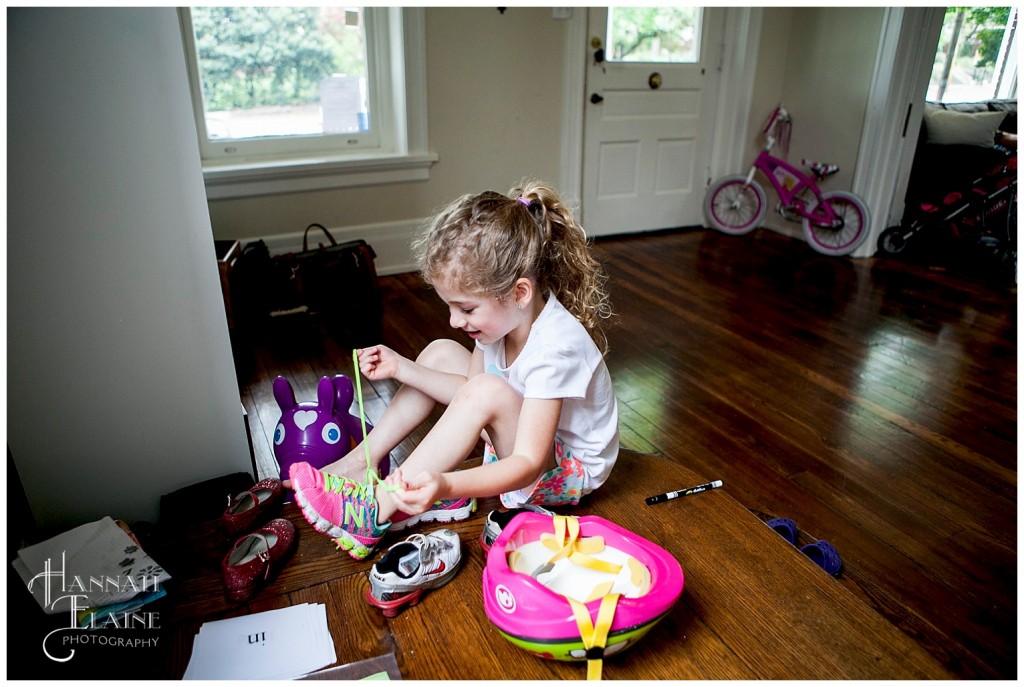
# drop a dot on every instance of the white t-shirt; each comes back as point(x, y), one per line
point(560, 360)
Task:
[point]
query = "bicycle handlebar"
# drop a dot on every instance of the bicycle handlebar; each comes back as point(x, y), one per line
point(779, 116)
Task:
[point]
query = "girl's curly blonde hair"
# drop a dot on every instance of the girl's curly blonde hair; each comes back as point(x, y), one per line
point(482, 244)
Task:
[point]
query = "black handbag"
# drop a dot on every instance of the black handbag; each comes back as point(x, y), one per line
point(335, 283)
point(338, 282)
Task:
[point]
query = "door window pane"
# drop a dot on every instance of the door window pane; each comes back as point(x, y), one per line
point(653, 34)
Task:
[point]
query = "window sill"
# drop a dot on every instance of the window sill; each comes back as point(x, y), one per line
point(240, 180)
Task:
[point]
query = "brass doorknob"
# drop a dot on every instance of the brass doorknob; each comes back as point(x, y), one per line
point(654, 80)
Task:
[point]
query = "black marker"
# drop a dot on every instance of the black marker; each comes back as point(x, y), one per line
point(651, 500)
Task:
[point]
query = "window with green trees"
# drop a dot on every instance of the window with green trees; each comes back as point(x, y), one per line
point(289, 98)
point(976, 58)
point(281, 71)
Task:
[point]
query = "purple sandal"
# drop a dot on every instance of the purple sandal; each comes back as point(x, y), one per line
point(785, 527)
point(825, 555)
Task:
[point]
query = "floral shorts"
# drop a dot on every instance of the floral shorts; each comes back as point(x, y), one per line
point(559, 486)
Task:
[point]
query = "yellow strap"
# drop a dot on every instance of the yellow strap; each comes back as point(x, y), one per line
point(599, 591)
point(583, 544)
point(639, 575)
point(567, 531)
point(594, 563)
point(567, 544)
point(595, 635)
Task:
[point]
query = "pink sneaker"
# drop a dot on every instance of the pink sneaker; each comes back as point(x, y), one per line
point(445, 510)
point(343, 509)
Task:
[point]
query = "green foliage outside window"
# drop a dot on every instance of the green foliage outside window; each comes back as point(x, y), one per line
point(981, 36)
point(653, 34)
point(253, 57)
point(969, 50)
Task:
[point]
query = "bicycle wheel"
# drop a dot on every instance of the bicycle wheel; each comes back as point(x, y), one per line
point(892, 241)
point(733, 206)
point(852, 230)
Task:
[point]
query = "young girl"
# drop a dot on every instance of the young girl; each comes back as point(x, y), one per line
point(518, 277)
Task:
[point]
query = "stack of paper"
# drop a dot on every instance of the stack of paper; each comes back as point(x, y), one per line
point(273, 645)
point(99, 570)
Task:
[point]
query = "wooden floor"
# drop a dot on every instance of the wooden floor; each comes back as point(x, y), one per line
point(871, 401)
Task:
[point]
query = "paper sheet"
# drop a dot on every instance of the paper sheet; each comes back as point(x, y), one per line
point(273, 645)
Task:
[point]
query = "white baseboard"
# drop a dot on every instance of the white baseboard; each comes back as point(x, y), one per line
point(391, 242)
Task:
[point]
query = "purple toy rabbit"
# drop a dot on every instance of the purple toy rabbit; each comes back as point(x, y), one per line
point(315, 433)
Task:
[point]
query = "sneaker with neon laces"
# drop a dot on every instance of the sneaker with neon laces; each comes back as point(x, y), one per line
point(445, 510)
point(497, 520)
point(343, 509)
point(410, 567)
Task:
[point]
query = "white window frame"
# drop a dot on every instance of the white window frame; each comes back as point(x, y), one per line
point(399, 45)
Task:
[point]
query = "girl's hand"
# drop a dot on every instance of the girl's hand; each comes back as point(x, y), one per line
point(418, 493)
point(379, 362)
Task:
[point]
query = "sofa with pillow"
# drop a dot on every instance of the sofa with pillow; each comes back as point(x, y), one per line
point(957, 145)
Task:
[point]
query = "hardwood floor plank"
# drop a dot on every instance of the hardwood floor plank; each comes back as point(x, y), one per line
point(873, 401)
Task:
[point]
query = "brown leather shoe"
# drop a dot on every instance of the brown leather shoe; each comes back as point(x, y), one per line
point(256, 558)
point(253, 507)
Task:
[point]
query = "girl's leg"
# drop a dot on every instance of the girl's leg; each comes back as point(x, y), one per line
point(407, 411)
point(487, 406)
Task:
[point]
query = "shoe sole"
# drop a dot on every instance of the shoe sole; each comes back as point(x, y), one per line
point(344, 540)
point(391, 608)
point(353, 547)
point(452, 515)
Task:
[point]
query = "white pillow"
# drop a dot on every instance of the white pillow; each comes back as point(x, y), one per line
point(947, 127)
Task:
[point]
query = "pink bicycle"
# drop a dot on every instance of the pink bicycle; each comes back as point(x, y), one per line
point(834, 223)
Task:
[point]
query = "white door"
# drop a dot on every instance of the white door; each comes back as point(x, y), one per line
point(649, 124)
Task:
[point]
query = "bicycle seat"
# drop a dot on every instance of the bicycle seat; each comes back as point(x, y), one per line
point(820, 169)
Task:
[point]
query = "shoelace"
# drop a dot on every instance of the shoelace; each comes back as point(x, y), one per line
point(345, 486)
point(371, 474)
point(428, 545)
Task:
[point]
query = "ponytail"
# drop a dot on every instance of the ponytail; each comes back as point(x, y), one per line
point(567, 268)
point(484, 243)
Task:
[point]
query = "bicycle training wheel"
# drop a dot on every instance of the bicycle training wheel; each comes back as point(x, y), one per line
point(852, 230)
point(733, 206)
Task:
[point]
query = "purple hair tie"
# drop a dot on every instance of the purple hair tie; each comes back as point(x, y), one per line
point(524, 201)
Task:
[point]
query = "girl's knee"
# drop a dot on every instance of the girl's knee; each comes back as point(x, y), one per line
point(446, 355)
point(489, 393)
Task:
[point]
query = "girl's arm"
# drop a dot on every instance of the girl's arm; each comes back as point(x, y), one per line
point(531, 457)
point(380, 362)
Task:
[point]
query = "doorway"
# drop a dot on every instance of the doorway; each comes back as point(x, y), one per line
point(649, 119)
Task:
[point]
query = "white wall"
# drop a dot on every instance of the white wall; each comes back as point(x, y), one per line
point(121, 385)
